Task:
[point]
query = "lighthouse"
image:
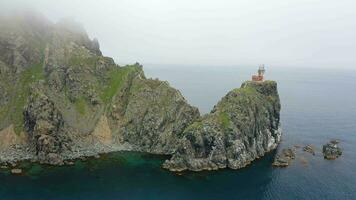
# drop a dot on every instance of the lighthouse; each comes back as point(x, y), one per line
point(260, 76)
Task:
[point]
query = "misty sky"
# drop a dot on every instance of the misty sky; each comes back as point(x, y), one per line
point(214, 32)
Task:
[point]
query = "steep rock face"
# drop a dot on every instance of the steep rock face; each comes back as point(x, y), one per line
point(243, 126)
point(45, 125)
point(152, 115)
point(71, 101)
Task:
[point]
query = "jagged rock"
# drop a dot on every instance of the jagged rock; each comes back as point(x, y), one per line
point(45, 124)
point(243, 126)
point(284, 158)
point(50, 158)
point(16, 171)
point(309, 149)
point(13, 164)
point(95, 46)
point(155, 114)
point(331, 150)
point(68, 162)
point(281, 161)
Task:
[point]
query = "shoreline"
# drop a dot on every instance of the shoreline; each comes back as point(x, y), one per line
point(20, 153)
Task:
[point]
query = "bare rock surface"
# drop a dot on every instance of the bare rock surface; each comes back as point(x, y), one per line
point(331, 150)
point(309, 149)
point(16, 171)
point(284, 158)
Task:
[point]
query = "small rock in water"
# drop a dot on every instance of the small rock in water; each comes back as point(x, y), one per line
point(289, 153)
point(69, 162)
point(280, 162)
point(3, 167)
point(284, 158)
point(97, 156)
point(179, 173)
point(309, 149)
point(331, 150)
point(16, 171)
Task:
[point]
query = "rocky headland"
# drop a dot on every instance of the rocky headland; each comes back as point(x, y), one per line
point(61, 99)
point(242, 127)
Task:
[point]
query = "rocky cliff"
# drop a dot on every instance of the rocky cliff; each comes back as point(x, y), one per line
point(242, 127)
point(62, 99)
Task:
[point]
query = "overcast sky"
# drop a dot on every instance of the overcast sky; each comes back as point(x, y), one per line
point(214, 32)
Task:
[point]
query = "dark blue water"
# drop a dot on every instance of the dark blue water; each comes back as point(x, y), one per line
point(317, 105)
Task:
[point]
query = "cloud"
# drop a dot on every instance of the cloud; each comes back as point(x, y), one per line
point(214, 32)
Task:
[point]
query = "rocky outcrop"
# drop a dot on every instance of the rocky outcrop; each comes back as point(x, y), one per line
point(310, 149)
point(331, 150)
point(284, 158)
point(16, 171)
point(242, 127)
point(154, 116)
point(45, 125)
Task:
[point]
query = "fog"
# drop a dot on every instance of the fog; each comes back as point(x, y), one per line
point(305, 33)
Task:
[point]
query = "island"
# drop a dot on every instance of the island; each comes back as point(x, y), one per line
point(62, 99)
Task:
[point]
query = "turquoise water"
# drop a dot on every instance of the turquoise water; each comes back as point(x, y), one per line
point(317, 105)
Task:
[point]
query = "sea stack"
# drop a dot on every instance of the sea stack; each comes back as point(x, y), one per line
point(331, 150)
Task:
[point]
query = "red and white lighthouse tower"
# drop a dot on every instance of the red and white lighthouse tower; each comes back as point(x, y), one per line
point(260, 76)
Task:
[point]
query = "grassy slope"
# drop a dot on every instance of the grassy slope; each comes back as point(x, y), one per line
point(20, 93)
point(107, 88)
point(117, 77)
point(246, 95)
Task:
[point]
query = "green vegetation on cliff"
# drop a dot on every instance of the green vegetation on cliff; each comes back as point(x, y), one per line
point(20, 93)
point(224, 119)
point(117, 76)
point(76, 60)
point(81, 105)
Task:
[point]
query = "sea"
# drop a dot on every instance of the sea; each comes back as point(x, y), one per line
point(318, 105)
